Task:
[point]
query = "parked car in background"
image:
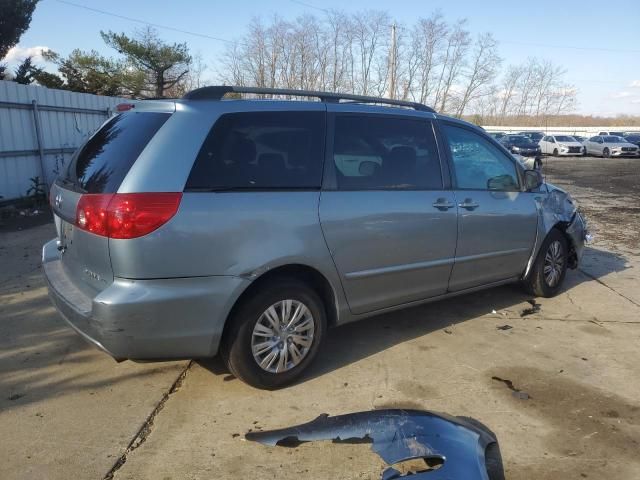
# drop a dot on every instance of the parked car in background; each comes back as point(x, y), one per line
point(611, 133)
point(521, 145)
point(534, 136)
point(610, 146)
point(497, 135)
point(579, 138)
point(561, 145)
point(633, 138)
point(203, 225)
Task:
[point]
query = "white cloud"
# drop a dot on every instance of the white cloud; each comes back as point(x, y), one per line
point(17, 54)
point(635, 84)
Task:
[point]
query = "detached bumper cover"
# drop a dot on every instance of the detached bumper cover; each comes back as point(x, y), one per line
point(145, 319)
point(398, 436)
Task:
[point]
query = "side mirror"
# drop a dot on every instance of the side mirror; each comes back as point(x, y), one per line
point(532, 179)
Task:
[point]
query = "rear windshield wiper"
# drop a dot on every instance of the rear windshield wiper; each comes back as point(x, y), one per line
point(70, 183)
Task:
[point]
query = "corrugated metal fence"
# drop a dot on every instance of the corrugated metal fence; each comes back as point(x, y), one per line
point(40, 128)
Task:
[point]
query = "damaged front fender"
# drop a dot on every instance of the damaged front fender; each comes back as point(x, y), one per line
point(456, 445)
point(556, 209)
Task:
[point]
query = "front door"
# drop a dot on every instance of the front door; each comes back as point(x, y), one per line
point(388, 222)
point(497, 221)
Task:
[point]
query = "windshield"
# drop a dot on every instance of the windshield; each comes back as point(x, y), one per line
point(518, 138)
point(633, 138)
point(617, 134)
point(613, 139)
point(564, 138)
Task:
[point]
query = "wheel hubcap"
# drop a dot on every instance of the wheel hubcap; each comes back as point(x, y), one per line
point(553, 264)
point(282, 336)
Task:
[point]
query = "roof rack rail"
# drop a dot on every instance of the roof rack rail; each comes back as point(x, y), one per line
point(219, 91)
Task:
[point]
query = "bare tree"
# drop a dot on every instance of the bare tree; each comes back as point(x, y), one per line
point(480, 75)
point(436, 62)
point(458, 41)
point(370, 32)
point(509, 84)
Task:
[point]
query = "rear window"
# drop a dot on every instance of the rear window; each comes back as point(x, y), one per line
point(261, 150)
point(102, 163)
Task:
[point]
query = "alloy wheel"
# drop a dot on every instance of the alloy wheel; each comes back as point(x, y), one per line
point(553, 264)
point(282, 336)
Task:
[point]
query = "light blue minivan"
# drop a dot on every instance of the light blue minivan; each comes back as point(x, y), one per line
point(247, 227)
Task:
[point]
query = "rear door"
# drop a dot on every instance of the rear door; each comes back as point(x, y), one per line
point(497, 221)
point(97, 168)
point(388, 221)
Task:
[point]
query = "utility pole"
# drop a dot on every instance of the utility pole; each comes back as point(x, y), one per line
point(392, 63)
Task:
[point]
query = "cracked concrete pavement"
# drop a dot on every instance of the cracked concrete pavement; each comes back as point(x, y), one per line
point(69, 411)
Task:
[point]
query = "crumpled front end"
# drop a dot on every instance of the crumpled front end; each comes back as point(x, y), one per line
point(556, 209)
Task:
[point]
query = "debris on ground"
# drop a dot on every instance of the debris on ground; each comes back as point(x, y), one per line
point(535, 308)
point(448, 331)
point(421, 444)
point(516, 392)
point(504, 327)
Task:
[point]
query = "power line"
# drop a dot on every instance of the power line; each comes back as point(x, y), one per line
point(540, 45)
point(299, 2)
point(144, 22)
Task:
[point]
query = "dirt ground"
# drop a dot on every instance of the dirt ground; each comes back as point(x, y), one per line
point(68, 411)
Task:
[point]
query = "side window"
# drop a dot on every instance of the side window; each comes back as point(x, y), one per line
point(478, 165)
point(373, 153)
point(261, 150)
point(545, 139)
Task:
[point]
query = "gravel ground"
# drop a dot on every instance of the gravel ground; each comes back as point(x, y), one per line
point(608, 192)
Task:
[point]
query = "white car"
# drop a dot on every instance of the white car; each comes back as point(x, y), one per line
point(610, 146)
point(560, 145)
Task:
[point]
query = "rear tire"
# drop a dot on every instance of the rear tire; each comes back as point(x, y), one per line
point(550, 266)
point(241, 346)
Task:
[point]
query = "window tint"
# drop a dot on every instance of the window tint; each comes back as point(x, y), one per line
point(372, 153)
point(478, 164)
point(261, 150)
point(102, 163)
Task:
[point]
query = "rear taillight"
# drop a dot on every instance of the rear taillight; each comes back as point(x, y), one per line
point(125, 215)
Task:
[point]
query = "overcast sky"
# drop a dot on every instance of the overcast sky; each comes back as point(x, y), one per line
point(597, 43)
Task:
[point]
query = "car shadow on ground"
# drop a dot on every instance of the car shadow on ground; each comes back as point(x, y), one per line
point(41, 357)
point(356, 341)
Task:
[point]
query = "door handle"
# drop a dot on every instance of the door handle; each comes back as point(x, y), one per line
point(443, 204)
point(469, 204)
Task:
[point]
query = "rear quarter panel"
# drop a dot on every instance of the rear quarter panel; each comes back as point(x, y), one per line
point(233, 233)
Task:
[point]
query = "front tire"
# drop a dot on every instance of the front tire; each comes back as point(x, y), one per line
point(275, 335)
point(555, 152)
point(606, 153)
point(550, 266)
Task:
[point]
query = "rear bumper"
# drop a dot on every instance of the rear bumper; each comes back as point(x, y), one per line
point(146, 319)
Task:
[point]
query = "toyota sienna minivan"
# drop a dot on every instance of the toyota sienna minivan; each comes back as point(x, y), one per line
point(247, 227)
